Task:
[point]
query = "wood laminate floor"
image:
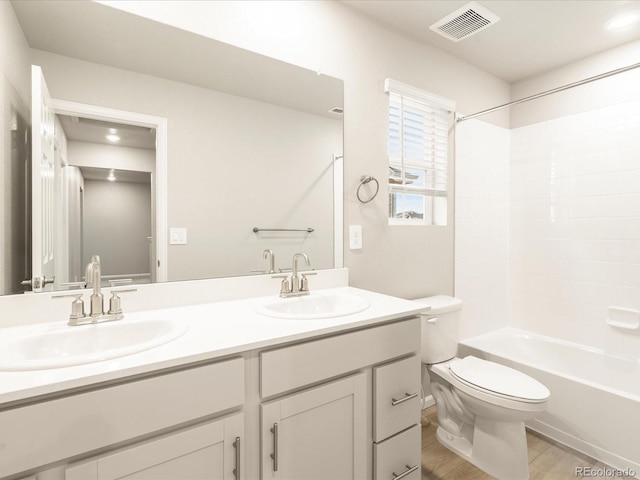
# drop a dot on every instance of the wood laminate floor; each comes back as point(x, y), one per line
point(548, 460)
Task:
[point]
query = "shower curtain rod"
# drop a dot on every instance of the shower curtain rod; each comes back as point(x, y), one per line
point(549, 92)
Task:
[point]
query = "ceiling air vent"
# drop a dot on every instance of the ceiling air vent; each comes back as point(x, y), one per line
point(465, 21)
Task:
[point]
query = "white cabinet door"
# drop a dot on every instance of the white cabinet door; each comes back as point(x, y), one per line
point(205, 452)
point(319, 433)
point(42, 181)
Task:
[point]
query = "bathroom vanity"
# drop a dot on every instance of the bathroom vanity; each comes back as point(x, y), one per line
point(240, 395)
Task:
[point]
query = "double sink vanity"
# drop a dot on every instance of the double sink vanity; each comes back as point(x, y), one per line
point(325, 385)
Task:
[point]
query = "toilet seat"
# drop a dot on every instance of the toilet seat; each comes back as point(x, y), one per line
point(498, 380)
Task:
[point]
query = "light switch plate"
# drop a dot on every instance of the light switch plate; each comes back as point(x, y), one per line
point(177, 236)
point(355, 237)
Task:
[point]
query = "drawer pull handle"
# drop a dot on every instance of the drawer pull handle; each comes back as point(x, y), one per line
point(236, 471)
point(274, 455)
point(408, 471)
point(408, 396)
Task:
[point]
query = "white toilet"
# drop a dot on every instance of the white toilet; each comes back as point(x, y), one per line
point(481, 405)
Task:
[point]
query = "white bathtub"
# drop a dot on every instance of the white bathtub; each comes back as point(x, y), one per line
point(595, 398)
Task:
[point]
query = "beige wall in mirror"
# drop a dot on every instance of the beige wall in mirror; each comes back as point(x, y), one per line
point(234, 163)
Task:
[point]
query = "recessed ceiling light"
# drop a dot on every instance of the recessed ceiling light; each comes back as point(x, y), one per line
point(112, 176)
point(624, 20)
point(112, 138)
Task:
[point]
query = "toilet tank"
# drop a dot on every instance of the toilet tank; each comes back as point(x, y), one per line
point(440, 326)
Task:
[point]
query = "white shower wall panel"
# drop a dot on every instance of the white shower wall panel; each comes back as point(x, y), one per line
point(482, 225)
point(575, 225)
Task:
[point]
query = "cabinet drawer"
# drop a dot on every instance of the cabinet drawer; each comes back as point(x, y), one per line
point(396, 397)
point(398, 456)
point(30, 435)
point(293, 367)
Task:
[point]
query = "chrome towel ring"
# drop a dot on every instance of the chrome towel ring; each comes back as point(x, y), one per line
point(363, 181)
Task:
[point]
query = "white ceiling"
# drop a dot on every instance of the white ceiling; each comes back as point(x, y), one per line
point(122, 176)
point(96, 131)
point(531, 37)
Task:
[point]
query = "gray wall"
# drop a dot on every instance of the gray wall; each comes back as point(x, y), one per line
point(117, 215)
point(117, 222)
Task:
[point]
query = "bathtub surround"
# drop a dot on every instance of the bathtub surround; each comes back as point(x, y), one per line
point(575, 225)
point(571, 233)
point(482, 225)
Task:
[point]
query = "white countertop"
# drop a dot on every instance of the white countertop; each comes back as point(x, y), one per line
point(215, 330)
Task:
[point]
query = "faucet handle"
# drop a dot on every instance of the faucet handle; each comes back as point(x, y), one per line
point(77, 306)
point(304, 283)
point(115, 307)
point(74, 284)
point(284, 286)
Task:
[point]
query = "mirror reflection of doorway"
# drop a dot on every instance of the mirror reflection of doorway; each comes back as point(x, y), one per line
point(107, 193)
point(15, 177)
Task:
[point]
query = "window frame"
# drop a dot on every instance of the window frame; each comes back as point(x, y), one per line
point(429, 117)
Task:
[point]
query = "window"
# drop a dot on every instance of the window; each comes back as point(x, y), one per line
point(418, 155)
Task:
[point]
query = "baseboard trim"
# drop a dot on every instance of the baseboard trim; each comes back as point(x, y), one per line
point(428, 401)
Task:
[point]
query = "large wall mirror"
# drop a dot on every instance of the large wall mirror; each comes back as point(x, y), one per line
point(251, 142)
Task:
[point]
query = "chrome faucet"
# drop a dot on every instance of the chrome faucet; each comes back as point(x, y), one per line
point(295, 287)
point(93, 277)
point(295, 284)
point(268, 255)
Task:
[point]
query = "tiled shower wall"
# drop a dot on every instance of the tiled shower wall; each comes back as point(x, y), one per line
point(575, 225)
point(482, 226)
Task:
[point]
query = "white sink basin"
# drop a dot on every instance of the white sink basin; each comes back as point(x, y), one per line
point(314, 305)
point(62, 345)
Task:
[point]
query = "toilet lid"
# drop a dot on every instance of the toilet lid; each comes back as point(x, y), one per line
point(499, 379)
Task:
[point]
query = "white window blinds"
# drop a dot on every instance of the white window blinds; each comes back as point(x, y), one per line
point(418, 155)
